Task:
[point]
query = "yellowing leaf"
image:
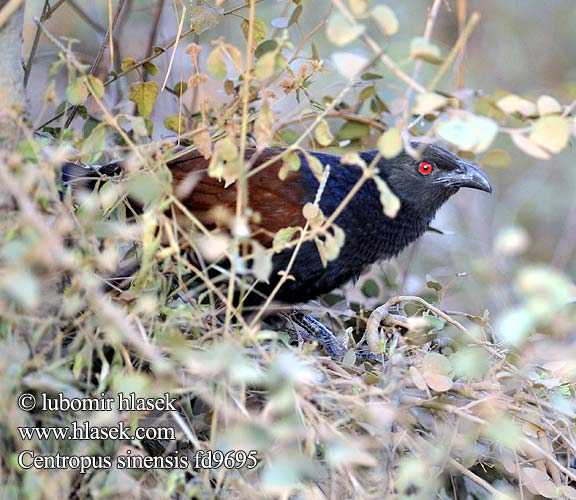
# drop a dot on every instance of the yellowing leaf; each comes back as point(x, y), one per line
point(265, 66)
point(216, 64)
point(420, 48)
point(497, 158)
point(322, 134)
point(390, 202)
point(548, 105)
point(428, 102)
point(203, 18)
point(358, 7)
point(144, 95)
point(341, 31)
point(551, 132)
point(259, 29)
point(385, 18)
point(127, 64)
point(514, 104)
point(524, 144)
point(390, 143)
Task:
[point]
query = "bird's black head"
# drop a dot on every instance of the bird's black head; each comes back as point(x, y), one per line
point(430, 180)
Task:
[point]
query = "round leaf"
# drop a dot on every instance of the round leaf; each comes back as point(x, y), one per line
point(551, 132)
point(390, 143)
point(386, 19)
point(341, 31)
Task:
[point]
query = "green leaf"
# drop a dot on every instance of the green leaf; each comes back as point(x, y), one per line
point(371, 76)
point(341, 31)
point(144, 187)
point(370, 289)
point(353, 130)
point(259, 29)
point(203, 18)
point(497, 158)
point(94, 145)
point(180, 88)
point(144, 95)
point(290, 163)
point(434, 285)
point(96, 86)
point(514, 326)
point(175, 123)
point(390, 143)
point(295, 15)
point(385, 18)
point(420, 48)
point(551, 132)
point(150, 68)
point(216, 64)
point(76, 92)
point(30, 150)
point(265, 47)
point(467, 131)
point(367, 93)
point(282, 237)
point(322, 133)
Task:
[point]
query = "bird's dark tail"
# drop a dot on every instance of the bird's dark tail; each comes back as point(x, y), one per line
point(87, 177)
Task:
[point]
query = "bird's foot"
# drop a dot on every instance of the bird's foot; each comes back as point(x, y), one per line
point(311, 329)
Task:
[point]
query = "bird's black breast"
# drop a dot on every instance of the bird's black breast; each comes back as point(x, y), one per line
point(369, 234)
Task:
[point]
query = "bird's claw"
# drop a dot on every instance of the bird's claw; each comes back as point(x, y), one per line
point(311, 329)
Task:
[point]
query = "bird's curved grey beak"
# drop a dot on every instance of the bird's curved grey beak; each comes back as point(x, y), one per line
point(466, 175)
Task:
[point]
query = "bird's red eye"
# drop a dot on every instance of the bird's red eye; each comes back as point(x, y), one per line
point(425, 168)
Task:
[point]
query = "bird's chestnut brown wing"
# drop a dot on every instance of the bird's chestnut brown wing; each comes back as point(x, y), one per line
point(277, 204)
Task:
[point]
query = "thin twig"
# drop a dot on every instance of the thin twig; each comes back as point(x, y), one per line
point(474, 19)
point(8, 10)
point(86, 18)
point(154, 33)
point(99, 56)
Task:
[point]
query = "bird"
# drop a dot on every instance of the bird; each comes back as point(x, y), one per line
point(422, 185)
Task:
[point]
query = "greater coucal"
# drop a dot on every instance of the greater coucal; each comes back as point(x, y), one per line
point(422, 185)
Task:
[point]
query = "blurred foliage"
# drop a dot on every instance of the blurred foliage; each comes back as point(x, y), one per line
point(475, 398)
